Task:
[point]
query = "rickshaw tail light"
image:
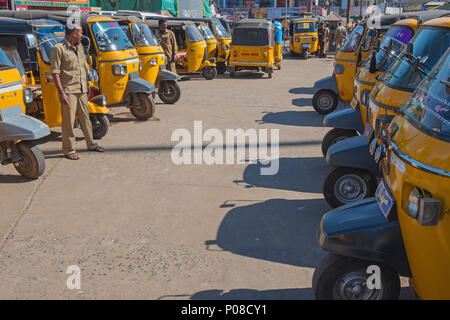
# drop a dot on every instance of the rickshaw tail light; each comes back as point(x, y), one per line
point(429, 211)
point(234, 53)
point(265, 54)
point(153, 61)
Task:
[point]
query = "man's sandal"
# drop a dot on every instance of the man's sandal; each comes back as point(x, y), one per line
point(98, 149)
point(72, 156)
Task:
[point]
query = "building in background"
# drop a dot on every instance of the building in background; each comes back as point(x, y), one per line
point(60, 5)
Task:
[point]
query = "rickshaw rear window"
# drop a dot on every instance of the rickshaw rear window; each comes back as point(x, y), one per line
point(193, 34)
point(250, 37)
point(429, 105)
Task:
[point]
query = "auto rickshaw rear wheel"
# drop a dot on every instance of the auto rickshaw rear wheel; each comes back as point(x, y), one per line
point(33, 161)
point(209, 72)
point(145, 109)
point(339, 277)
point(343, 185)
point(100, 125)
point(169, 92)
point(325, 101)
point(221, 68)
point(335, 135)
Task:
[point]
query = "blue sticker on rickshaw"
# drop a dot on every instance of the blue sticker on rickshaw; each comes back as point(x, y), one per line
point(384, 199)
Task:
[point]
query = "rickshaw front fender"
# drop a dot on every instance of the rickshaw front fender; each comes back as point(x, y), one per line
point(207, 63)
point(96, 105)
point(164, 75)
point(354, 153)
point(17, 126)
point(360, 230)
point(347, 118)
point(328, 83)
point(136, 84)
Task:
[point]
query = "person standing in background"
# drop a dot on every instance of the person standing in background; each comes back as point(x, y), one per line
point(169, 45)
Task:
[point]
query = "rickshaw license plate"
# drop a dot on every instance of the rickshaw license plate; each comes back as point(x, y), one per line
point(384, 199)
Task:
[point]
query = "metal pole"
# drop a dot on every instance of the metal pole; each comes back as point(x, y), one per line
point(348, 11)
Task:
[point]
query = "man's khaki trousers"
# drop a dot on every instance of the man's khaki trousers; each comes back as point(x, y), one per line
point(78, 106)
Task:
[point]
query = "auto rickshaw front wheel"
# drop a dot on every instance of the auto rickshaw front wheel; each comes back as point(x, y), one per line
point(145, 108)
point(209, 72)
point(344, 185)
point(344, 278)
point(32, 164)
point(335, 135)
point(169, 92)
point(100, 125)
point(325, 101)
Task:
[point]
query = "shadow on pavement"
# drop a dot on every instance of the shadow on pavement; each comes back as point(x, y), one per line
point(302, 102)
point(302, 90)
point(12, 178)
point(249, 294)
point(277, 230)
point(295, 174)
point(293, 118)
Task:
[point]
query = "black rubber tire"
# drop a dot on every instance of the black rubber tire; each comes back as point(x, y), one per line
point(333, 176)
point(173, 90)
point(334, 267)
point(147, 111)
point(306, 54)
point(269, 75)
point(100, 126)
point(209, 73)
point(221, 68)
point(331, 95)
point(33, 164)
point(333, 136)
point(279, 67)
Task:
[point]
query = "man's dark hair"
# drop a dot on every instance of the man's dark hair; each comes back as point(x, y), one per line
point(162, 21)
point(71, 29)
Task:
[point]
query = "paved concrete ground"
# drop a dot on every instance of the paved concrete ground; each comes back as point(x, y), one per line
point(140, 227)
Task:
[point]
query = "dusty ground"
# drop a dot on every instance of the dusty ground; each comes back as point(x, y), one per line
point(140, 227)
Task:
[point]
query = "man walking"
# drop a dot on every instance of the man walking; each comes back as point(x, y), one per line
point(70, 74)
point(325, 40)
point(339, 36)
point(169, 45)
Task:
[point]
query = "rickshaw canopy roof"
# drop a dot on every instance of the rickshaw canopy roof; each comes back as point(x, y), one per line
point(14, 26)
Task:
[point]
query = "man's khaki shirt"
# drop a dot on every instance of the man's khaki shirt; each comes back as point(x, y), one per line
point(169, 44)
point(71, 67)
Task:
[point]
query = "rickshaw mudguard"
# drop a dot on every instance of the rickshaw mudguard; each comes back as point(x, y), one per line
point(360, 230)
point(347, 118)
point(95, 106)
point(328, 83)
point(17, 126)
point(136, 84)
point(164, 75)
point(207, 63)
point(353, 153)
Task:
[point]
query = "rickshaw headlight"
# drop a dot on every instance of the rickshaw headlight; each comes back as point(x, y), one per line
point(426, 210)
point(27, 95)
point(339, 68)
point(297, 40)
point(119, 69)
point(153, 61)
point(140, 65)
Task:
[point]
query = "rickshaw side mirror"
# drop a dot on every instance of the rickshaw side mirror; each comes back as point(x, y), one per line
point(30, 41)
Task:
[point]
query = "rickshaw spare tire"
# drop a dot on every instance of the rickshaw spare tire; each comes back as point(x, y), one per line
point(33, 161)
point(145, 109)
point(100, 125)
point(169, 92)
point(221, 68)
point(339, 277)
point(335, 135)
point(325, 101)
point(209, 72)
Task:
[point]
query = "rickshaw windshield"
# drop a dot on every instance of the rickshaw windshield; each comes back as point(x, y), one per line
point(302, 27)
point(408, 70)
point(429, 106)
point(207, 32)
point(47, 38)
point(353, 40)
point(193, 34)
point(142, 35)
point(5, 62)
point(391, 45)
point(110, 37)
point(221, 32)
point(250, 37)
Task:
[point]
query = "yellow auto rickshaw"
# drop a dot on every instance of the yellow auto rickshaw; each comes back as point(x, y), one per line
point(152, 57)
point(210, 39)
point(192, 50)
point(252, 46)
point(354, 173)
point(223, 48)
point(404, 229)
point(16, 129)
point(303, 37)
point(38, 77)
